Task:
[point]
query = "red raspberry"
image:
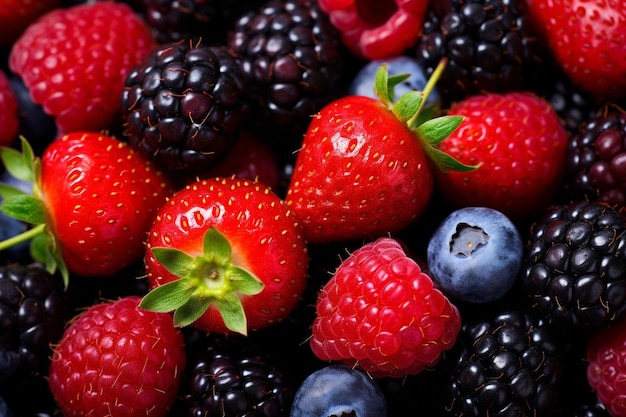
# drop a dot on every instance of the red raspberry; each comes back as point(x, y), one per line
point(16, 15)
point(74, 61)
point(9, 121)
point(380, 312)
point(118, 359)
point(377, 29)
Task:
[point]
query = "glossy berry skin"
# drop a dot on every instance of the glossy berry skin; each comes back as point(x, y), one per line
point(360, 173)
point(375, 30)
point(381, 313)
point(116, 357)
point(588, 47)
point(9, 119)
point(364, 79)
point(101, 197)
point(475, 255)
point(265, 238)
point(107, 38)
point(520, 145)
point(337, 390)
point(605, 370)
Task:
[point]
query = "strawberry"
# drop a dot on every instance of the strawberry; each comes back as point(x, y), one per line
point(74, 62)
point(377, 30)
point(9, 117)
point(380, 312)
point(116, 359)
point(227, 255)
point(93, 201)
point(362, 170)
point(587, 40)
point(521, 144)
point(16, 15)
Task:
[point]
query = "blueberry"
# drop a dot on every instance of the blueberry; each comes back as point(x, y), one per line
point(338, 390)
point(363, 82)
point(475, 255)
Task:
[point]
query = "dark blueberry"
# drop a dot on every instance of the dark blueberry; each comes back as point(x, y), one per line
point(338, 390)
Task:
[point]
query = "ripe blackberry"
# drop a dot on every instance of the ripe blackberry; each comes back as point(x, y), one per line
point(596, 159)
point(184, 105)
point(575, 265)
point(292, 55)
point(488, 44)
point(231, 377)
point(507, 364)
point(209, 20)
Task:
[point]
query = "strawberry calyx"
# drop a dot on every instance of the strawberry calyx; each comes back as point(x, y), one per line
point(30, 208)
point(208, 279)
point(429, 128)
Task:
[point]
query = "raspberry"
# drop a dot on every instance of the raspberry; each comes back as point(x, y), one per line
point(376, 29)
point(74, 61)
point(8, 112)
point(380, 312)
point(16, 15)
point(606, 371)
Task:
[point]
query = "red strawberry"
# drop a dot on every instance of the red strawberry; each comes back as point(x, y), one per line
point(362, 170)
point(97, 197)
point(606, 369)
point(587, 40)
point(521, 144)
point(74, 61)
point(9, 120)
point(16, 15)
point(116, 359)
point(381, 312)
point(377, 30)
point(228, 255)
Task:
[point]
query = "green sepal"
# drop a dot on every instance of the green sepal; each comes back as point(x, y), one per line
point(445, 162)
point(384, 84)
point(19, 164)
point(203, 280)
point(437, 129)
point(167, 297)
point(26, 208)
point(43, 249)
point(407, 106)
point(8, 191)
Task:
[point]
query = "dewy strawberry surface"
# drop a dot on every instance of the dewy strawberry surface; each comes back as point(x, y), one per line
point(230, 284)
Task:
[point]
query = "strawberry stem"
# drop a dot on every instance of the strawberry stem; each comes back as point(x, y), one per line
point(428, 88)
point(22, 237)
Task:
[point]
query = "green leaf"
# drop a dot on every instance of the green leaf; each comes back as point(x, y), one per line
point(7, 191)
point(381, 85)
point(43, 248)
point(25, 208)
point(244, 282)
point(175, 261)
point(192, 310)
point(407, 106)
point(168, 297)
point(445, 162)
point(216, 246)
point(17, 165)
point(435, 130)
point(232, 313)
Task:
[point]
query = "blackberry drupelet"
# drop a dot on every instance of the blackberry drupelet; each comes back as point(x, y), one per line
point(209, 20)
point(575, 265)
point(293, 57)
point(506, 364)
point(596, 159)
point(184, 105)
point(230, 377)
point(488, 44)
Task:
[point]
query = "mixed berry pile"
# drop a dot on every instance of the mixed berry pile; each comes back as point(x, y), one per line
point(290, 208)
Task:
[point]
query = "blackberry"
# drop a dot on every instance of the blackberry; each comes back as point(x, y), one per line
point(230, 377)
point(209, 20)
point(293, 57)
point(596, 159)
point(506, 364)
point(575, 266)
point(184, 105)
point(488, 43)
